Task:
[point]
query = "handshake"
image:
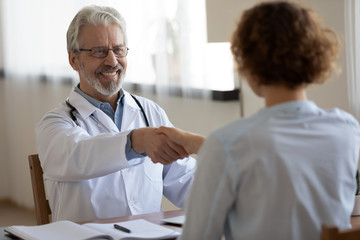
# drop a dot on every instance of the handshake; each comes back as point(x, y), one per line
point(164, 144)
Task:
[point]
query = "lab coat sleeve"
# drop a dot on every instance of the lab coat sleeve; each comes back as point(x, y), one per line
point(68, 153)
point(178, 177)
point(212, 193)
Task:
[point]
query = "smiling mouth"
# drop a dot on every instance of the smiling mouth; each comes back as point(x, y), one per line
point(109, 74)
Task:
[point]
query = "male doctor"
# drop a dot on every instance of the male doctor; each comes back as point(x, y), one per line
point(100, 160)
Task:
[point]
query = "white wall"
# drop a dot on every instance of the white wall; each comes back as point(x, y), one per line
point(4, 157)
point(4, 187)
point(1, 37)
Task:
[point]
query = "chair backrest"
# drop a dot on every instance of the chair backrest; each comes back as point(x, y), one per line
point(42, 207)
point(333, 233)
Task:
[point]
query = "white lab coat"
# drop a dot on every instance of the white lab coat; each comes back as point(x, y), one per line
point(86, 173)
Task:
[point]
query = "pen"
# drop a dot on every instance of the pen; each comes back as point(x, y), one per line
point(121, 228)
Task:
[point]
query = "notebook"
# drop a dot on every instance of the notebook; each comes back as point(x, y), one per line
point(61, 230)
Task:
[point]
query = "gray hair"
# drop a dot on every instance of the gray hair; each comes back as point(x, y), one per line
point(93, 15)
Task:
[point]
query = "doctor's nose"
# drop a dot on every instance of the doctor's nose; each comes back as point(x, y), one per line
point(111, 59)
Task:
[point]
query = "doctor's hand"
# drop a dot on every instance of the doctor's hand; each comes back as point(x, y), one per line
point(157, 146)
point(190, 141)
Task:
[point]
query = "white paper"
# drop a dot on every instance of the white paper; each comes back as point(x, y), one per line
point(139, 228)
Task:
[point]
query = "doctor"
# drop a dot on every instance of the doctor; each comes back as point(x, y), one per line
point(100, 159)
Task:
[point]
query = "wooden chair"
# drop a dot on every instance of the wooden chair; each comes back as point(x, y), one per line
point(42, 207)
point(333, 233)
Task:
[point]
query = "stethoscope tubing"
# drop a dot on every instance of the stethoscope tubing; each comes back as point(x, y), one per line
point(72, 115)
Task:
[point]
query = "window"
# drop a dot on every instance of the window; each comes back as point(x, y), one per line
point(352, 49)
point(167, 42)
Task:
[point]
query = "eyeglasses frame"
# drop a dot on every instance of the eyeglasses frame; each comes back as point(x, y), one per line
point(108, 49)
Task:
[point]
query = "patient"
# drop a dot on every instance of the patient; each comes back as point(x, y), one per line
point(289, 168)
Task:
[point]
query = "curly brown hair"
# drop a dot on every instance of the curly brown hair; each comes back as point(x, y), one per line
point(283, 43)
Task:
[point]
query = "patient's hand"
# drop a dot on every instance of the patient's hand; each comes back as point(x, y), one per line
point(191, 142)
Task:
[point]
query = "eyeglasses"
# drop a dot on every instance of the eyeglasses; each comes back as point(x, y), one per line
point(101, 52)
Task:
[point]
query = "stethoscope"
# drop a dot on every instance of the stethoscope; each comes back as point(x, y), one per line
point(72, 115)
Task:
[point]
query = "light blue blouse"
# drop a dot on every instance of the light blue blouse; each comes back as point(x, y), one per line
point(279, 174)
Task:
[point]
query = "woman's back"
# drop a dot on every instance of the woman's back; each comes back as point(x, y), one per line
point(295, 170)
point(279, 174)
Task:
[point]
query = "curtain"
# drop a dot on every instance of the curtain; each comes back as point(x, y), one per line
point(167, 41)
point(352, 48)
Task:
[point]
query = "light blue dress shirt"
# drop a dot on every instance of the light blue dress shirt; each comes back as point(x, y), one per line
point(279, 174)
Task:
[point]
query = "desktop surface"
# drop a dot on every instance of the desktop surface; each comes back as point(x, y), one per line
point(157, 218)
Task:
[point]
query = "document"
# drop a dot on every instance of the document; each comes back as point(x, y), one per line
point(135, 229)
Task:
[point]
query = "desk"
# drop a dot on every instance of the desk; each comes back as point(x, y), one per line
point(355, 221)
point(156, 218)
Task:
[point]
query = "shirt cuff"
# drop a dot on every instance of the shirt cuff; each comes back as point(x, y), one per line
point(130, 153)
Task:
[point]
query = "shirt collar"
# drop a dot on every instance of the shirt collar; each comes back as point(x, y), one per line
point(96, 102)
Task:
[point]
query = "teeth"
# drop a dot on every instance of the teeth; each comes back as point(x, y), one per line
point(109, 74)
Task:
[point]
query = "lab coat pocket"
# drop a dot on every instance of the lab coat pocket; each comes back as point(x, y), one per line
point(153, 171)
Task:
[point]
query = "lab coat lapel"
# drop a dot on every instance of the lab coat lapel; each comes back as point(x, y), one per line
point(130, 113)
point(86, 109)
point(106, 120)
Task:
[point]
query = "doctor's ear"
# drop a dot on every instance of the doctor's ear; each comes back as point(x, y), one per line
point(74, 60)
